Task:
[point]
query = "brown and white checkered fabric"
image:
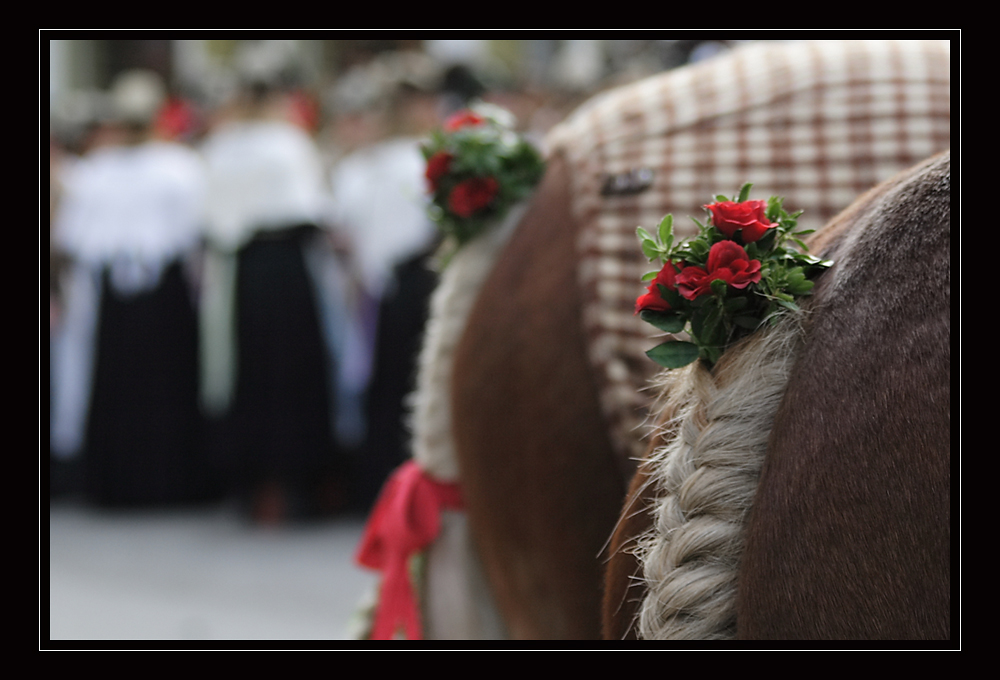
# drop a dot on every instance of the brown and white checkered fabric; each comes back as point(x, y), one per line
point(815, 122)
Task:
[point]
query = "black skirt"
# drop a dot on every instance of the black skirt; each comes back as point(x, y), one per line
point(280, 427)
point(144, 441)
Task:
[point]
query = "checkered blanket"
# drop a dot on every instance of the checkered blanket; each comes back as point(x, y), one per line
point(815, 122)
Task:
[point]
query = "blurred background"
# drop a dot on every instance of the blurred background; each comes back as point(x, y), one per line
point(240, 264)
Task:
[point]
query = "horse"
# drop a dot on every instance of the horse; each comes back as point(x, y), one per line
point(540, 384)
point(801, 490)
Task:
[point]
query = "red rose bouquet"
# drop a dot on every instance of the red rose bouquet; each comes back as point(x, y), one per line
point(477, 168)
point(740, 271)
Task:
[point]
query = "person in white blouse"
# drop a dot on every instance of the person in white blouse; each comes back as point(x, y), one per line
point(268, 376)
point(125, 356)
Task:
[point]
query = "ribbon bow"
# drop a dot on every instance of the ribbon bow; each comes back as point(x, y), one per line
point(405, 520)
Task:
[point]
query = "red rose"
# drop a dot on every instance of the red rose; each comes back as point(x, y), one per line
point(462, 119)
point(729, 217)
point(653, 300)
point(437, 167)
point(726, 261)
point(472, 195)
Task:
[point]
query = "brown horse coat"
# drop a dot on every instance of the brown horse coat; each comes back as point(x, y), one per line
point(502, 393)
point(849, 536)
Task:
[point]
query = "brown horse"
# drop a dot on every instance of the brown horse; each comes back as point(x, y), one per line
point(836, 519)
point(548, 379)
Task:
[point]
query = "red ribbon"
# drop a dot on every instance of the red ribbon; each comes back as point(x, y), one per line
point(406, 519)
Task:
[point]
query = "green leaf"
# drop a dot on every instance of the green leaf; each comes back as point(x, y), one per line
point(705, 321)
point(650, 250)
point(643, 234)
point(773, 210)
point(673, 298)
point(766, 242)
point(801, 287)
point(666, 231)
point(721, 199)
point(649, 276)
point(674, 354)
point(744, 192)
point(701, 301)
point(747, 322)
point(735, 304)
point(699, 249)
point(711, 354)
point(717, 333)
point(668, 322)
point(719, 288)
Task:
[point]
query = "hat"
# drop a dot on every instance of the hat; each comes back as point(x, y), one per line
point(267, 64)
point(137, 95)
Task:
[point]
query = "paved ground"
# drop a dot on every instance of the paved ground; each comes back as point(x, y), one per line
point(198, 575)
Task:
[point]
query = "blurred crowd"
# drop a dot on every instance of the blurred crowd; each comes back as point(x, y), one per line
point(238, 288)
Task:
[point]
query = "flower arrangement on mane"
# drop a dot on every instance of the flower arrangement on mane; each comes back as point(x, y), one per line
point(739, 272)
point(477, 168)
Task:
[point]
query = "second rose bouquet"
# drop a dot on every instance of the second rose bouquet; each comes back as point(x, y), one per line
point(477, 168)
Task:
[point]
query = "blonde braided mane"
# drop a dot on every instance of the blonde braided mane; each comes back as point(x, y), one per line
point(717, 426)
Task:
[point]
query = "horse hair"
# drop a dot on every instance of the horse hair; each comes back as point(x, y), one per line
point(706, 477)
